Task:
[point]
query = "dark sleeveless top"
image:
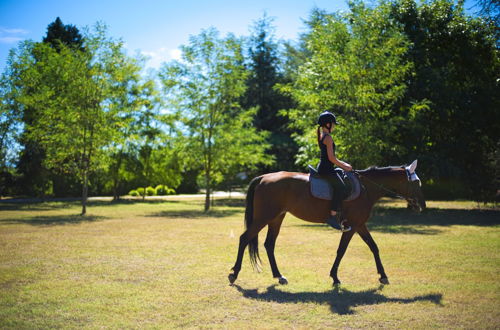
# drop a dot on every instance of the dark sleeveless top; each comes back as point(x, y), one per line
point(325, 165)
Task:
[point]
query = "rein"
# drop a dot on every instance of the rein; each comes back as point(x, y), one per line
point(393, 193)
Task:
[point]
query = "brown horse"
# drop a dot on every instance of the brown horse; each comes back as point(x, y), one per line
point(272, 195)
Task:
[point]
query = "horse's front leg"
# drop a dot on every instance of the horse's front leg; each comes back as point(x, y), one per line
point(344, 242)
point(365, 235)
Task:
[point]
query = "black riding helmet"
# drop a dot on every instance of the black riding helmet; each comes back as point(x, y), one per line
point(327, 117)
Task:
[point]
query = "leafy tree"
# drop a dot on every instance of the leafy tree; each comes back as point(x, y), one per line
point(357, 71)
point(136, 100)
point(71, 88)
point(36, 178)
point(265, 75)
point(456, 67)
point(489, 9)
point(205, 88)
point(9, 130)
point(157, 152)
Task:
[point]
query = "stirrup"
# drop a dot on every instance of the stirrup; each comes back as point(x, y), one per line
point(332, 221)
point(344, 228)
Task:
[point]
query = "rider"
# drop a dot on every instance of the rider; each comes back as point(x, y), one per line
point(326, 167)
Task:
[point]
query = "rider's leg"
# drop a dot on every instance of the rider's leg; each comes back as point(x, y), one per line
point(338, 195)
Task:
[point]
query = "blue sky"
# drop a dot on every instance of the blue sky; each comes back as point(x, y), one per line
point(154, 27)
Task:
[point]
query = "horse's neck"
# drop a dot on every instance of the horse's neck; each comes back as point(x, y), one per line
point(378, 184)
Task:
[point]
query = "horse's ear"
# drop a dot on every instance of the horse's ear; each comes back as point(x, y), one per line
point(412, 167)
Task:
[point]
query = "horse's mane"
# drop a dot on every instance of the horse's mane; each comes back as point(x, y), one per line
point(376, 169)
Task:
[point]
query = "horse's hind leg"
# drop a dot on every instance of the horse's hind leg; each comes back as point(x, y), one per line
point(272, 234)
point(245, 238)
point(365, 235)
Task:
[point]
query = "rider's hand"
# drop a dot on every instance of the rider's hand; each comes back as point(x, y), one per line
point(348, 167)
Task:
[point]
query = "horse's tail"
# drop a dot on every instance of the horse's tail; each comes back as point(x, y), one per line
point(253, 247)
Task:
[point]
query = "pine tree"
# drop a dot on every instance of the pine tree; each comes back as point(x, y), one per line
point(265, 73)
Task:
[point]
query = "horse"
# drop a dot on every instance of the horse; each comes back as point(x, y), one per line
point(271, 196)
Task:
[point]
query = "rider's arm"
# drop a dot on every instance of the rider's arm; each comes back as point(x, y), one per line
point(328, 141)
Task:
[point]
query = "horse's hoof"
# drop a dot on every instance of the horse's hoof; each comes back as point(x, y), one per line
point(283, 281)
point(384, 280)
point(336, 283)
point(231, 278)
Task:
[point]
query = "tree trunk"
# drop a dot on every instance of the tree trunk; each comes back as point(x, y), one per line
point(85, 191)
point(116, 178)
point(207, 194)
point(116, 195)
point(208, 171)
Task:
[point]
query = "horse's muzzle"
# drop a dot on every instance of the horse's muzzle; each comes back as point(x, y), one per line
point(416, 204)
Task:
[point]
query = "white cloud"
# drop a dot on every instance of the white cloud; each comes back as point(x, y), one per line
point(12, 31)
point(157, 57)
point(9, 40)
point(175, 54)
point(10, 36)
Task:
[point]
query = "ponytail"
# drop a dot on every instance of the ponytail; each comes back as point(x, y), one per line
point(318, 134)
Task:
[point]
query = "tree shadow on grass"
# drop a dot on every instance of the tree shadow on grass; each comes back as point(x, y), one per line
point(195, 213)
point(53, 220)
point(223, 207)
point(232, 202)
point(44, 205)
point(341, 301)
point(402, 221)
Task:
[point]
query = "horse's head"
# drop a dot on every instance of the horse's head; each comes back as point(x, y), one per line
point(413, 192)
point(397, 181)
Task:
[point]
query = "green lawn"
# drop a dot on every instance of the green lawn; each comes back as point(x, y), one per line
point(165, 264)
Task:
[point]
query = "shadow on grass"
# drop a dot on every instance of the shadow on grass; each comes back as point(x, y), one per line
point(402, 221)
point(195, 213)
point(341, 301)
point(54, 220)
point(232, 207)
point(39, 205)
point(34, 204)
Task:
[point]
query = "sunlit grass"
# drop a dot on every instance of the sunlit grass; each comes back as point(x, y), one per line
point(165, 264)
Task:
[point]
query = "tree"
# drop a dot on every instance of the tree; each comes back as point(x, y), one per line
point(205, 88)
point(58, 33)
point(455, 61)
point(72, 88)
point(156, 150)
point(356, 70)
point(9, 131)
point(37, 179)
point(489, 9)
point(262, 93)
point(140, 130)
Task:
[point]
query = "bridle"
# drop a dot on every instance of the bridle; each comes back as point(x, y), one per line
point(393, 193)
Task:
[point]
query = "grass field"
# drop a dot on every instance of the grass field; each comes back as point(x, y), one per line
point(164, 264)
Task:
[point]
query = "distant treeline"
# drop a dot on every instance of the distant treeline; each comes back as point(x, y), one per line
point(407, 81)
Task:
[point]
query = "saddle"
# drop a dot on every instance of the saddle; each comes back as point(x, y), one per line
point(322, 189)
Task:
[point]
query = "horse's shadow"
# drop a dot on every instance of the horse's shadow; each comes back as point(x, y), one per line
point(341, 301)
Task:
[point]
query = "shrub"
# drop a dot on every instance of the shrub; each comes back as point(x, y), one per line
point(161, 190)
point(140, 191)
point(133, 193)
point(150, 191)
point(164, 190)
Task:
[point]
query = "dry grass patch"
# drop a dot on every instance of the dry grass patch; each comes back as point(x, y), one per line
point(165, 264)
